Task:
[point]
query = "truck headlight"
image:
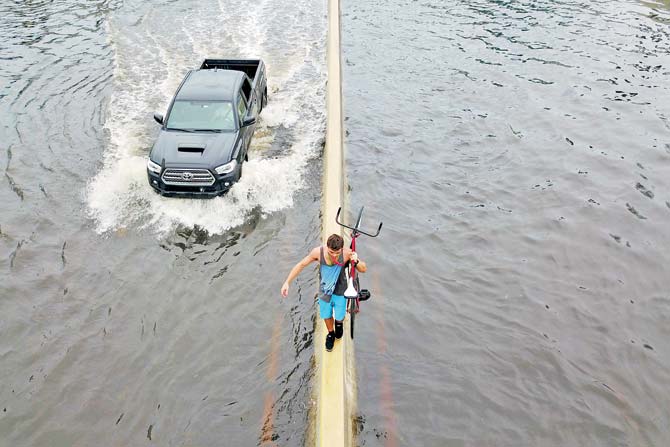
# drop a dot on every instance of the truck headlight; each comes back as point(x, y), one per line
point(227, 168)
point(154, 167)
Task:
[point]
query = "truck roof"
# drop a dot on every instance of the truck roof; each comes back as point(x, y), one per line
point(216, 85)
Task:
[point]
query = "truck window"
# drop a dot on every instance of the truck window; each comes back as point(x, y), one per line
point(201, 115)
point(246, 89)
point(241, 108)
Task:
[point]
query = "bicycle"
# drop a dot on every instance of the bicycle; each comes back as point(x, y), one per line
point(354, 294)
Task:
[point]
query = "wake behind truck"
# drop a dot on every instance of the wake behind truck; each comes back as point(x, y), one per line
point(206, 133)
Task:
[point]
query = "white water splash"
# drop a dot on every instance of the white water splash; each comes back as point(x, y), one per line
point(150, 66)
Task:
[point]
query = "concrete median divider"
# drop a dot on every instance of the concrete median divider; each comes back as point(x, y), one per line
point(335, 378)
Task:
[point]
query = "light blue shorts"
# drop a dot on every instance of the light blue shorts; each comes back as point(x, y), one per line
point(337, 302)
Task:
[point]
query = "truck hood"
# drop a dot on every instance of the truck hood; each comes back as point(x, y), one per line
point(188, 150)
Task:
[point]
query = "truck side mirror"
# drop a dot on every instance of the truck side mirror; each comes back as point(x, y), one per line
point(159, 118)
point(248, 121)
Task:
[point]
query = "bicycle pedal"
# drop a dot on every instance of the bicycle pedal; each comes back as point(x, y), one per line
point(364, 295)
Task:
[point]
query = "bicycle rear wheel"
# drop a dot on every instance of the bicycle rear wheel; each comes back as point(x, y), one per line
point(353, 306)
point(352, 315)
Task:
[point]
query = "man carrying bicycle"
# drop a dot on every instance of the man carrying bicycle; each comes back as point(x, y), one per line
point(333, 262)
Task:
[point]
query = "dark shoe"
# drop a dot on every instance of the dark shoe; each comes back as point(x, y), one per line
point(339, 329)
point(330, 341)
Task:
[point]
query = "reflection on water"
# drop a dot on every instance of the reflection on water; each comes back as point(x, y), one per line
point(656, 4)
point(660, 10)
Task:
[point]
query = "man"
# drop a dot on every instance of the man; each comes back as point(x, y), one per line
point(333, 260)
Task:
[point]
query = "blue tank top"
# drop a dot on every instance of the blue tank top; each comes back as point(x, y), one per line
point(329, 276)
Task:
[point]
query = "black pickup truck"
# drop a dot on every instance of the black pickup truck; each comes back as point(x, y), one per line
point(205, 136)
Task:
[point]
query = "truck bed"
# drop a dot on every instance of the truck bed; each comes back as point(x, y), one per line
point(248, 66)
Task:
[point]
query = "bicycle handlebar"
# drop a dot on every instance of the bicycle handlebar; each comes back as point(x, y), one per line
point(355, 229)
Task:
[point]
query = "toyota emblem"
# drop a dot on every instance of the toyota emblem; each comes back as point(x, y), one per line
point(187, 176)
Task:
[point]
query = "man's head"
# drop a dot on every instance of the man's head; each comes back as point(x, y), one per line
point(335, 244)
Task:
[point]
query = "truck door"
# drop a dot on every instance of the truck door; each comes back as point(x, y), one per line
point(245, 132)
point(250, 95)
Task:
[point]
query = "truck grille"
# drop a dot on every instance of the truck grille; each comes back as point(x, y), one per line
point(188, 177)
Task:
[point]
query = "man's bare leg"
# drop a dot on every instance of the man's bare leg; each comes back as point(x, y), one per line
point(330, 338)
point(329, 324)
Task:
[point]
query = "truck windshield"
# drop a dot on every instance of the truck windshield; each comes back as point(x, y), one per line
point(201, 115)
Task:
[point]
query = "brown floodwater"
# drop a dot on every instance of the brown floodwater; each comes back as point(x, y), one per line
point(517, 152)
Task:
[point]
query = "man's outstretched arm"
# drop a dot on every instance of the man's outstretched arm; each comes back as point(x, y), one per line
point(295, 271)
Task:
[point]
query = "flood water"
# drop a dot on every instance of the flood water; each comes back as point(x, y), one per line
point(126, 317)
point(519, 155)
point(517, 152)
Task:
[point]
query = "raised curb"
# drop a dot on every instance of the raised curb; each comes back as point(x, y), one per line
point(334, 370)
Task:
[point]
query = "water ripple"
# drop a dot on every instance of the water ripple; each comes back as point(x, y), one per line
point(524, 231)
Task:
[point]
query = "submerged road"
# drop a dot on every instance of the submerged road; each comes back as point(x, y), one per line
point(517, 152)
point(126, 316)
